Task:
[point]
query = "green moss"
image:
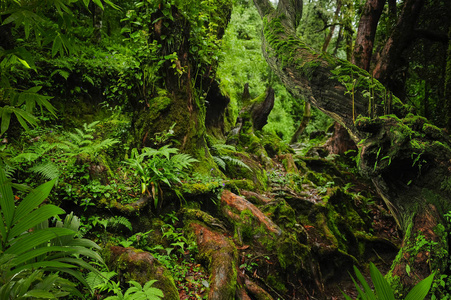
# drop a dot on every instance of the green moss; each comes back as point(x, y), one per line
point(200, 188)
point(277, 283)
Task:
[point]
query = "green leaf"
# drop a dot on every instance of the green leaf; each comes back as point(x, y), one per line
point(36, 217)
point(6, 118)
point(34, 199)
point(383, 289)
point(368, 292)
point(24, 62)
point(39, 294)
point(30, 240)
point(98, 3)
point(420, 291)
point(56, 45)
point(6, 205)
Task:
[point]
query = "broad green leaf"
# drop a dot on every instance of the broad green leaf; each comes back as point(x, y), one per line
point(6, 118)
point(420, 291)
point(56, 45)
point(6, 204)
point(40, 251)
point(48, 265)
point(24, 62)
point(34, 218)
point(13, 17)
point(383, 289)
point(98, 3)
point(39, 294)
point(33, 239)
point(112, 4)
point(368, 292)
point(34, 199)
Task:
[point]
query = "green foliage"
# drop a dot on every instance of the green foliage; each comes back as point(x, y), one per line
point(82, 143)
point(136, 291)
point(157, 166)
point(383, 290)
point(30, 249)
point(220, 157)
point(115, 221)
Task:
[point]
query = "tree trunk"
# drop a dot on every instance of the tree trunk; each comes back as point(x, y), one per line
point(363, 49)
point(304, 123)
point(390, 60)
point(407, 159)
point(332, 27)
point(187, 85)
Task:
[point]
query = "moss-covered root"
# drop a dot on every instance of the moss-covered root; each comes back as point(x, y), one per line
point(256, 291)
point(237, 209)
point(221, 257)
point(141, 266)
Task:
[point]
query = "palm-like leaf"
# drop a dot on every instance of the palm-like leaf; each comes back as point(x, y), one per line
point(382, 287)
point(420, 291)
point(29, 246)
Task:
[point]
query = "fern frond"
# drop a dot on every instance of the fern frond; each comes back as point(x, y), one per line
point(90, 127)
point(220, 162)
point(47, 170)
point(183, 160)
point(167, 150)
point(25, 157)
point(120, 220)
point(236, 162)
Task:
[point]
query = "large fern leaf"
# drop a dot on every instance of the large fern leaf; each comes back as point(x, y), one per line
point(47, 170)
point(235, 162)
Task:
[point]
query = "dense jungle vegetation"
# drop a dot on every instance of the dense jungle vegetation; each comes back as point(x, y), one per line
point(225, 149)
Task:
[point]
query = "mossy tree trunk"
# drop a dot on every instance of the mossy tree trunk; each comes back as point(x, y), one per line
point(184, 84)
point(406, 158)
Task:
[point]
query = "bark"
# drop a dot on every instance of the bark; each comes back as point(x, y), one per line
point(340, 141)
point(407, 159)
point(390, 61)
point(304, 123)
point(366, 33)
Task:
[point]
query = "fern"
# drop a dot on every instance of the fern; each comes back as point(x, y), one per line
point(120, 220)
point(236, 162)
point(137, 291)
point(48, 170)
point(220, 162)
point(221, 157)
point(83, 142)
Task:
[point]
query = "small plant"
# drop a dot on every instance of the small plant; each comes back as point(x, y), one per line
point(82, 142)
point(221, 158)
point(383, 290)
point(157, 166)
point(137, 291)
